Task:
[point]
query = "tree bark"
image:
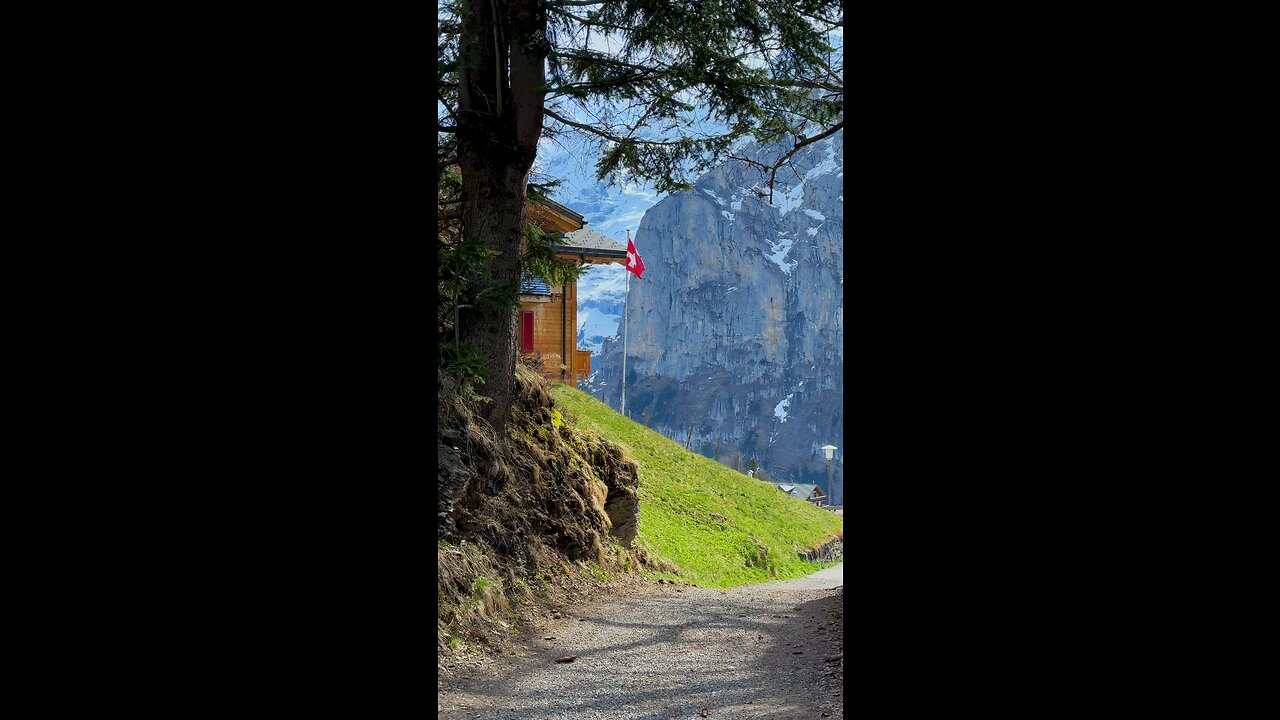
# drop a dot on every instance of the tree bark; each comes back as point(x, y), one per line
point(500, 95)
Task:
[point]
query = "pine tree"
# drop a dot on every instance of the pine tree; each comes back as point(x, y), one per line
point(513, 71)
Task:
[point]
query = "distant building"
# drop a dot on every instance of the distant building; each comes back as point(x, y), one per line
point(803, 491)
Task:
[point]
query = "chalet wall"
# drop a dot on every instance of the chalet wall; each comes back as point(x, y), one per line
point(549, 328)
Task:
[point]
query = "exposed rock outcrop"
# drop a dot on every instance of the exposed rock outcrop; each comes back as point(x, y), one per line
point(829, 551)
point(736, 332)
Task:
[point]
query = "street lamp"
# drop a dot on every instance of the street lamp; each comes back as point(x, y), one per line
point(829, 450)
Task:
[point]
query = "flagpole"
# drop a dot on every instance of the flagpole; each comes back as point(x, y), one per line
point(625, 295)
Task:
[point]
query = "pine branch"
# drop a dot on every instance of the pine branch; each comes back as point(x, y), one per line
point(568, 89)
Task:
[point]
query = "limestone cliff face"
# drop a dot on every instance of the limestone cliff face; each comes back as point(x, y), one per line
point(737, 329)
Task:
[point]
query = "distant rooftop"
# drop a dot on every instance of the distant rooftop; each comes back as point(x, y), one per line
point(804, 491)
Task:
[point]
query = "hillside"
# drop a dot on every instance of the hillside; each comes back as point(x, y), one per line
point(575, 501)
point(717, 526)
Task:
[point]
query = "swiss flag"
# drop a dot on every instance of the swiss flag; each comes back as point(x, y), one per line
point(634, 263)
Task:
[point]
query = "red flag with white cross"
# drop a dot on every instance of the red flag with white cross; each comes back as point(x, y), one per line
point(634, 264)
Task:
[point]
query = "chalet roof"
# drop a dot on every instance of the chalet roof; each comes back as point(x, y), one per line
point(552, 204)
point(591, 246)
point(551, 216)
point(531, 284)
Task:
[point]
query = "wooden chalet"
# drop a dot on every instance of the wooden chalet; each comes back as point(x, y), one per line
point(548, 322)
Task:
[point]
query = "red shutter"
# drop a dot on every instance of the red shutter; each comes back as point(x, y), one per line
point(526, 332)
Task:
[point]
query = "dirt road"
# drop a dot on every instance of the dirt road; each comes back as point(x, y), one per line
point(760, 651)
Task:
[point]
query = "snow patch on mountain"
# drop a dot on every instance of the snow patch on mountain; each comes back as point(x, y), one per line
point(600, 294)
point(601, 282)
point(594, 326)
point(779, 256)
point(790, 199)
point(793, 196)
point(780, 410)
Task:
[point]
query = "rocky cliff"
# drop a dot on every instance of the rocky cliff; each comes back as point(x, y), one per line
point(736, 331)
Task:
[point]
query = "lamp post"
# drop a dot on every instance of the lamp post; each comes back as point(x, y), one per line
point(829, 450)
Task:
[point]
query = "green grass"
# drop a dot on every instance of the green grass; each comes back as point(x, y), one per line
point(679, 492)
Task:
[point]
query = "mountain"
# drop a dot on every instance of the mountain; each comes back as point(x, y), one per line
point(736, 331)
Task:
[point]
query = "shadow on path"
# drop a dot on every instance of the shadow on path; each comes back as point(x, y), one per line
point(745, 653)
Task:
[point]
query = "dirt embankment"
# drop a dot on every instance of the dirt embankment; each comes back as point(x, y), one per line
point(529, 521)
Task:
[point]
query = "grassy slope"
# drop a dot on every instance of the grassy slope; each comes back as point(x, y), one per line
point(679, 492)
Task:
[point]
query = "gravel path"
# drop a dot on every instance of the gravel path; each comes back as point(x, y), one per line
point(667, 653)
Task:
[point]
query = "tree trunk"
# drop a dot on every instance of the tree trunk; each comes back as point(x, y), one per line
point(500, 99)
point(493, 212)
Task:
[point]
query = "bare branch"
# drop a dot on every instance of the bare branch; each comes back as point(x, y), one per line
point(445, 104)
point(800, 142)
point(749, 161)
point(829, 22)
point(603, 133)
point(834, 76)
